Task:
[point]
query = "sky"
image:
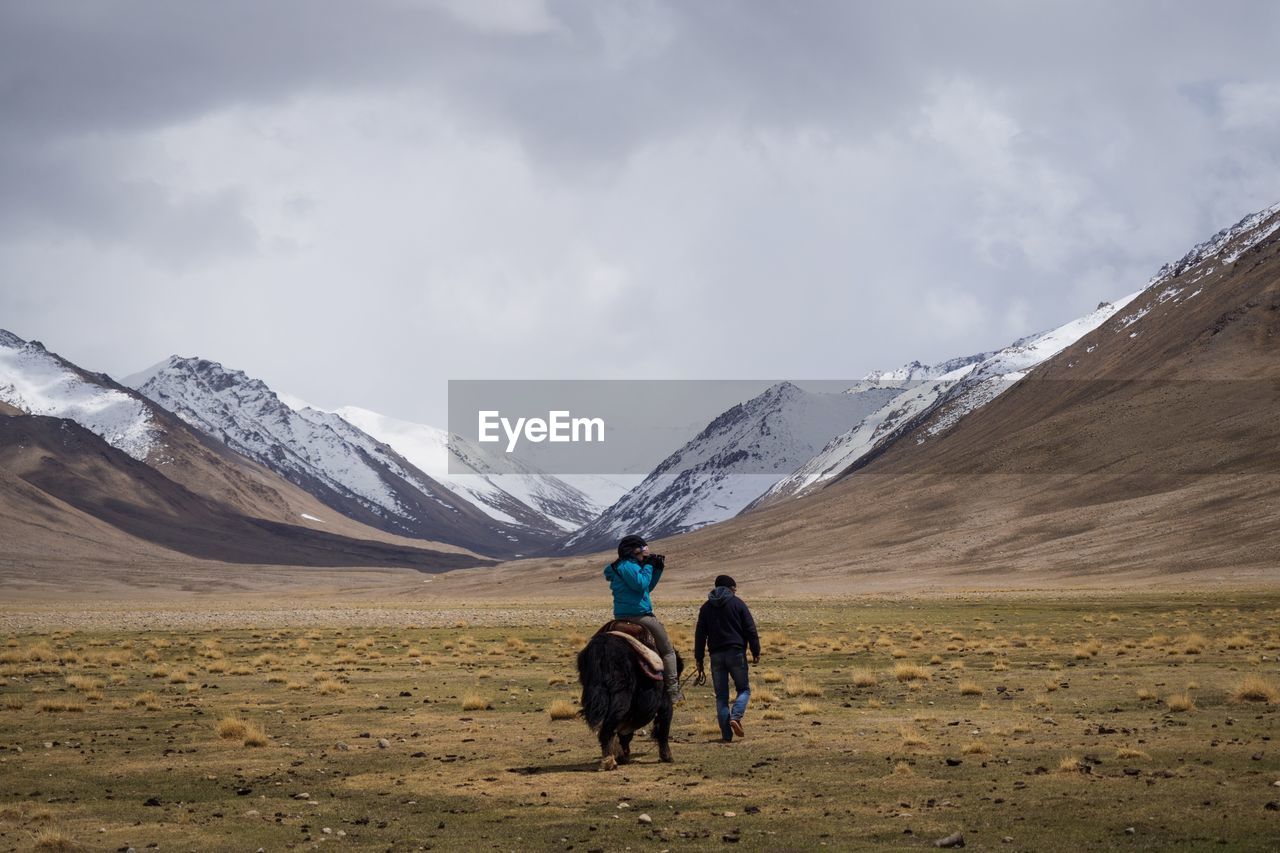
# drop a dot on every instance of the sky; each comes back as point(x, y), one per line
point(357, 202)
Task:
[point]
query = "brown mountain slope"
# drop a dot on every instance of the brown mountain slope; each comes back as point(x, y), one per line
point(67, 491)
point(1151, 446)
point(1148, 452)
point(247, 418)
point(209, 468)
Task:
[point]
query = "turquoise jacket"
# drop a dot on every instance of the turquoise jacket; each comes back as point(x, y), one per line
point(631, 583)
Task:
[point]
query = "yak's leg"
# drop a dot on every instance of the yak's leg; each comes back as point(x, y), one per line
point(609, 748)
point(662, 731)
point(624, 741)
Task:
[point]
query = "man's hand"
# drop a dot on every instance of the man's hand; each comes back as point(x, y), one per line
point(658, 561)
point(699, 677)
point(755, 660)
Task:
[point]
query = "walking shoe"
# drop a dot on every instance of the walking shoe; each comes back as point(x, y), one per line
point(736, 726)
point(677, 695)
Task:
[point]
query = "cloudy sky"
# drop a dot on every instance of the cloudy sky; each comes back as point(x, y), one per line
point(359, 201)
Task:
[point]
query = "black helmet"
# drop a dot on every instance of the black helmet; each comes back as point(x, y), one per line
point(629, 544)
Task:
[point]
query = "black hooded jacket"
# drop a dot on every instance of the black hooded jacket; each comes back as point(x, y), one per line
point(724, 622)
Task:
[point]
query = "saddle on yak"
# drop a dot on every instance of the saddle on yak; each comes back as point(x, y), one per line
point(642, 646)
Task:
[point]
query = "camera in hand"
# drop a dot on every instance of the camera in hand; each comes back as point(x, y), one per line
point(655, 560)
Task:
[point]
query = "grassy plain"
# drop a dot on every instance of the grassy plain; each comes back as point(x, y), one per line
point(1132, 722)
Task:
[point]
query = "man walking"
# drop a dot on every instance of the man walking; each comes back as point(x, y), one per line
point(725, 627)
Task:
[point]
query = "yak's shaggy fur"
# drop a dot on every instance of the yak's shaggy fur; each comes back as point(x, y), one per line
point(618, 699)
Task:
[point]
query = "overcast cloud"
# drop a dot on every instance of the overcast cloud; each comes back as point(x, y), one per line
point(359, 201)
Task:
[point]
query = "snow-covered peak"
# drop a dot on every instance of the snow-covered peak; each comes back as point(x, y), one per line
point(1226, 246)
point(915, 371)
point(135, 380)
point(1012, 362)
point(1219, 251)
point(508, 490)
point(40, 383)
point(730, 463)
point(945, 393)
point(427, 447)
point(295, 403)
point(246, 415)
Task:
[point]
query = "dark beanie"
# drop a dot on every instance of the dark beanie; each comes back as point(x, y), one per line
point(629, 544)
point(725, 580)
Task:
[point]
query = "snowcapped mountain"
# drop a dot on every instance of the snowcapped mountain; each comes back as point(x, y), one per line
point(917, 372)
point(1215, 255)
point(91, 467)
point(736, 458)
point(942, 393)
point(347, 469)
point(37, 382)
point(1146, 449)
point(510, 491)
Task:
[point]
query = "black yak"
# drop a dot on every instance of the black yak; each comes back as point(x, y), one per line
point(619, 698)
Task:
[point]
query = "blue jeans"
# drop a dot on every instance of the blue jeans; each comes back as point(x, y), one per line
point(730, 663)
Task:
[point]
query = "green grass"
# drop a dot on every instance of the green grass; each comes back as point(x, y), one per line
point(830, 764)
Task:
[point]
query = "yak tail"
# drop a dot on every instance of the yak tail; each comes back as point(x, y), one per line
point(594, 672)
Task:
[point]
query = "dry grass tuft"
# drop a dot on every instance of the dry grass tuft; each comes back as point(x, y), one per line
point(1070, 764)
point(768, 715)
point(1255, 688)
point(1146, 694)
point(1180, 702)
point(772, 676)
point(1087, 650)
point(475, 702)
point(331, 685)
point(863, 678)
point(56, 706)
point(232, 728)
point(911, 737)
point(562, 710)
point(1194, 644)
point(83, 683)
point(910, 672)
point(1126, 752)
point(970, 688)
point(800, 687)
point(1237, 642)
point(254, 735)
point(807, 708)
point(53, 841)
point(975, 747)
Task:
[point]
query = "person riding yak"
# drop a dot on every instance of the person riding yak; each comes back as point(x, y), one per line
point(632, 577)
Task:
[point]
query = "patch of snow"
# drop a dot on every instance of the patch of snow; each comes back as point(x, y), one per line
point(954, 388)
point(733, 461)
point(40, 383)
point(497, 486)
point(248, 417)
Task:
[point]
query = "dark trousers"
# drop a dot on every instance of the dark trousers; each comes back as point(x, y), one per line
point(727, 664)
